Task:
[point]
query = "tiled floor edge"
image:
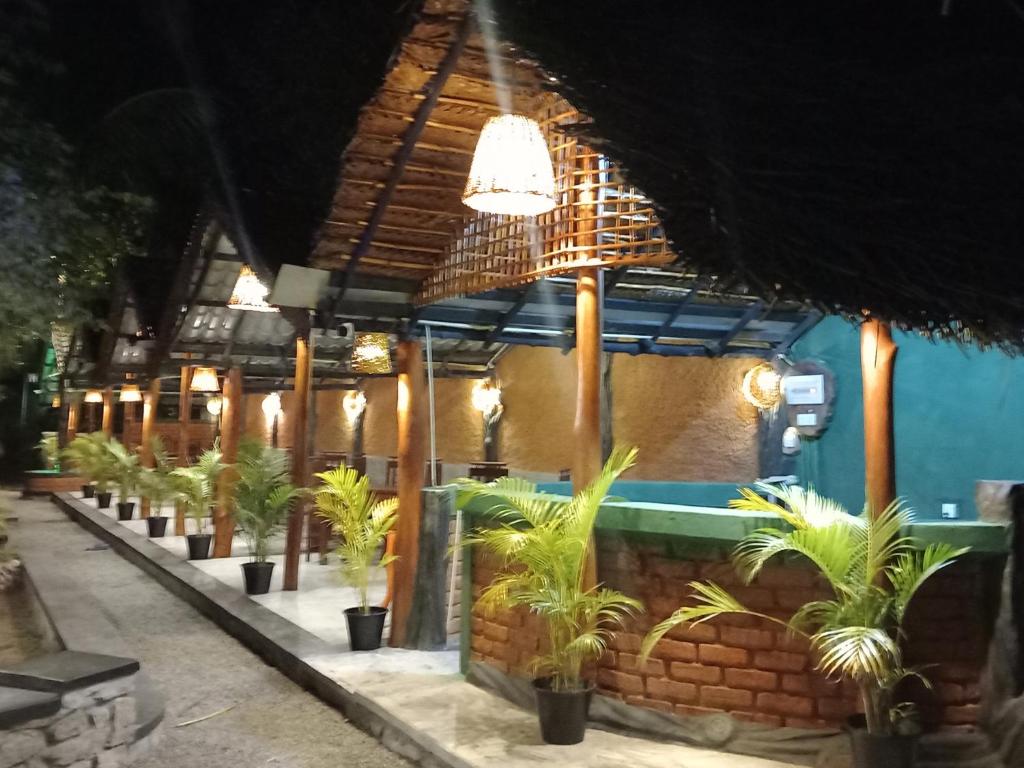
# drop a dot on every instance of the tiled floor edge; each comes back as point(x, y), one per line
point(257, 630)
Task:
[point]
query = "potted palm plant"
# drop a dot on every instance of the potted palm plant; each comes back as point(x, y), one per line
point(263, 498)
point(103, 468)
point(83, 454)
point(125, 469)
point(873, 572)
point(158, 486)
point(543, 543)
point(362, 521)
point(197, 487)
point(49, 450)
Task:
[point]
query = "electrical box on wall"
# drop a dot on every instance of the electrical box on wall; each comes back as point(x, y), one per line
point(808, 392)
point(805, 389)
point(950, 510)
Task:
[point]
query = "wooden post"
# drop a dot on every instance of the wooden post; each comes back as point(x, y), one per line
point(108, 412)
point(150, 400)
point(877, 362)
point(184, 417)
point(300, 458)
point(128, 424)
point(412, 436)
point(230, 431)
point(74, 409)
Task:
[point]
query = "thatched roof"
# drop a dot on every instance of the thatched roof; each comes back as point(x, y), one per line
point(863, 155)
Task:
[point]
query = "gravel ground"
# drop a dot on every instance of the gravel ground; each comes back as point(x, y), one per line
point(202, 670)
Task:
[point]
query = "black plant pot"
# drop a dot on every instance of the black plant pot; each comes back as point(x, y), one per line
point(103, 500)
point(365, 629)
point(156, 526)
point(88, 491)
point(257, 577)
point(199, 546)
point(125, 510)
point(562, 714)
point(872, 751)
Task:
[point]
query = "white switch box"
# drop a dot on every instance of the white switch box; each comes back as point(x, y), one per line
point(950, 510)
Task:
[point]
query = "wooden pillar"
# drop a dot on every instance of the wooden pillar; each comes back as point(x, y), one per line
point(230, 431)
point(877, 362)
point(108, 412)
point(300, 458)
point(412, 454)
point(184, 417)
point(74, 409)
point(150, 400)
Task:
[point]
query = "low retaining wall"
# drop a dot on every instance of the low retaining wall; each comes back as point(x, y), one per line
point(45, 482)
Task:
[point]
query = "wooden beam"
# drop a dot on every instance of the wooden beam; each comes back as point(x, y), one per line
point(877, 363)
point(150, 400)
point(412, 438)
point(230, 431)
point(108, 412)
point(300, 457)
point(751, 312)
point(409, 139)
point(184, 417)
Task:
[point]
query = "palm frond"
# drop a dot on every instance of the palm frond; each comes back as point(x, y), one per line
point(856, 652)
point(913, 568)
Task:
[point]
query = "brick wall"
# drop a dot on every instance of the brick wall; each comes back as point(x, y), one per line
point(751, 669)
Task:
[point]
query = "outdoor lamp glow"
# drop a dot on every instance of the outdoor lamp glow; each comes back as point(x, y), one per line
point(214, 405)
point(511, 171)
point(204, 380)
point(271, 406)
point(93, 396)
point(486, 396)
point(250, 293)
point(354, 405)
point(130, 393)
point(762, 387)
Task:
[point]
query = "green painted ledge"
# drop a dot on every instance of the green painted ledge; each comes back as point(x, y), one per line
point(684, 529)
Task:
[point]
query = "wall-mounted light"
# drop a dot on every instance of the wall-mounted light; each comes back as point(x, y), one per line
point(371, 353)
point(511, 171)
point(486, 397)
point(93, 396)
point(354, 404)
point(55, 403)
point(762, 387)
point(250, 293)
point(130, 393)
point(214, 405)
point(204, 380)
point(271, 406)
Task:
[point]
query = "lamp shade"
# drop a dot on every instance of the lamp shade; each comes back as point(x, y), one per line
point(511, 171)
point(761, 387)
point(130, 393)
point(271, 406)
point(204, 380)
point(214, 405)
point(486, 396)
point(354, 405)
point(93, 396)
point(371, 353)
point(250, 293)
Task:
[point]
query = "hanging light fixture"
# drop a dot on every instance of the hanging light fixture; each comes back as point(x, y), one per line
point(354, 405)
point(486, 397)
point(762, 387)
point(250, 293)
point(204, 380)
point(61, 333)
point(130, 393)
point(371, 353)
point(93, 396)
point(55, 403)
point(214, 405)
point(511, 171)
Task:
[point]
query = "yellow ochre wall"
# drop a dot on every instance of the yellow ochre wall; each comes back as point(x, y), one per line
point(685, 414)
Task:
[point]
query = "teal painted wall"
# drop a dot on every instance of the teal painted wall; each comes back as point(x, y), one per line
point(959, 417)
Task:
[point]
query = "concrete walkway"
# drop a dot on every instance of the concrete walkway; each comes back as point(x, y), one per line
point(269, 720)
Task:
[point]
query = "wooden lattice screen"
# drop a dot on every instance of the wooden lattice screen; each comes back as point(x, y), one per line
point(600, 220)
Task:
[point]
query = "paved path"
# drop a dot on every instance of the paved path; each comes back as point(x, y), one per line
point(201, 670)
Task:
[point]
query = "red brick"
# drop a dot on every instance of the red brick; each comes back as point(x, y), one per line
point(695, 633)
point(950, 693)
point(670, 690)
point(785, 704)
point(792, 599)
point(799, 684)
point(787, 641)
point(624, 641)
point(629, 662)
point(718, 697)
point(687, 710)
point(755, 598)
point(823, 687)
point(957, 673)
point(751, 679)
point(695, 673)
point(723, 655)
point(780, 661)
point(754, 639)
point(675, 650)
point(674, 569)
point(785, 577)
point(835, 709)
point(615, 680)
point(808, 723)
point(721, 573)
point(966, 714)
